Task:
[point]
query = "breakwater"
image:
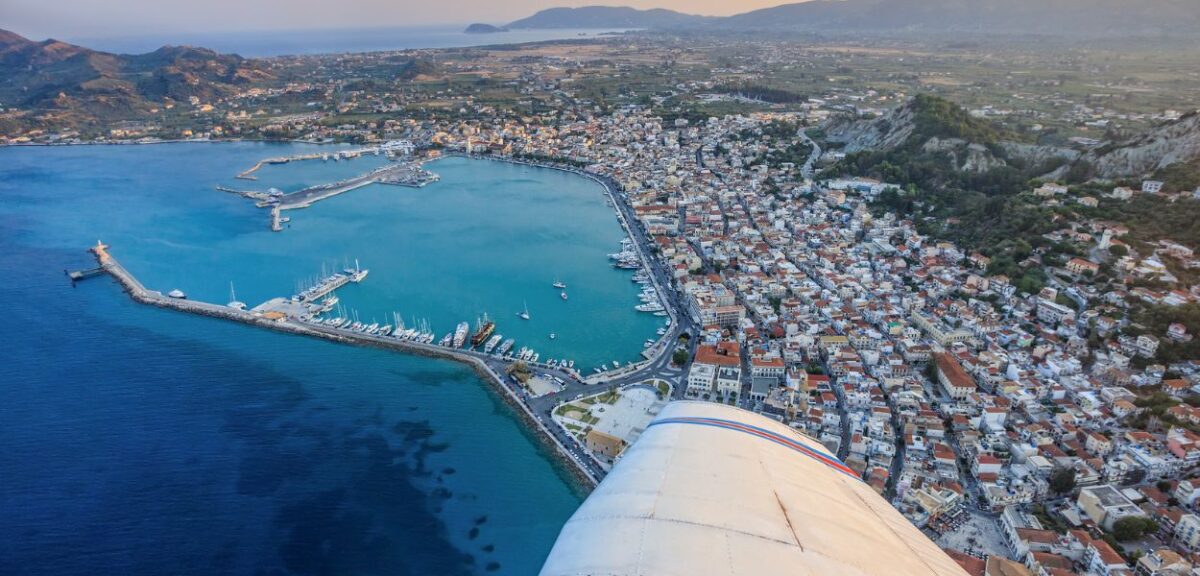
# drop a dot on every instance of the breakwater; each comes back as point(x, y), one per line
point(478, 363)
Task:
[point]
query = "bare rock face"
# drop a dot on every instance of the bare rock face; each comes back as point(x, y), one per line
point(1177, 141)
point(932, 126)
point(883, 133)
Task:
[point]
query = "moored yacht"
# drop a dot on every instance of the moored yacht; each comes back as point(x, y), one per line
point(460, 334)
point(233, 301)
point(357, 273)
point(492, 343)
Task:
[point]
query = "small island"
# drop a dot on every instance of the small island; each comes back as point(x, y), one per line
point(479, 28)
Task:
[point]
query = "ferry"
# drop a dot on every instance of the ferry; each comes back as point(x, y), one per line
point(483, 331)
point(460, 334)
point(492, 343)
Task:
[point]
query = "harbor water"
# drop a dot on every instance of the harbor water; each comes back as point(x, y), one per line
point(141, 441)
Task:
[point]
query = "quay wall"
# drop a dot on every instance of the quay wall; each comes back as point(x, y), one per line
point(141, 294)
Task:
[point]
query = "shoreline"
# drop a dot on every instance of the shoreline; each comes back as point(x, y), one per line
point(610, 190)
point(174, 141)
point(584, 480)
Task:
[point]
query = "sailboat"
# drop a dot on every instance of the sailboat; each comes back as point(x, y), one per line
point(524, 314)
point(233, 301)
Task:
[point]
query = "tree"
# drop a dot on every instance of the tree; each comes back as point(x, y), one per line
point(1062, 480)
point(680, 357)
point(1132, 528)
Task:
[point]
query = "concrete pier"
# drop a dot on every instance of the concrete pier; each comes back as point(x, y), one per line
point(403, 174)
point(77, 275)
point(294, 325)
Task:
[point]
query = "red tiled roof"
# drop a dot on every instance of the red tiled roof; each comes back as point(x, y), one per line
point(954, 371)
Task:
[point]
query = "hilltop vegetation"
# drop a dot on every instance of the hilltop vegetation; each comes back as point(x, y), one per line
point(964, 179)
point(955, 176)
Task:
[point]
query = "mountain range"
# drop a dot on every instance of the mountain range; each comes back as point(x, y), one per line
point(1041, 17)
point(77, 84)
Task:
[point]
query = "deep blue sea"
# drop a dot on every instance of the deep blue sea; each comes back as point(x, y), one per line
point(140, 441)
point(289, 42)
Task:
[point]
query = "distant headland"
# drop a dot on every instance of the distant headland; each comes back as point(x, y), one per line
point(479, 28)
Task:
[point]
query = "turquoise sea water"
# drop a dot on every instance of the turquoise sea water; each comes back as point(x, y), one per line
point(142, 441)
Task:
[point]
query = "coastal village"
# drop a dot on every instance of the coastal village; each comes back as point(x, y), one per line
point(1025, 432)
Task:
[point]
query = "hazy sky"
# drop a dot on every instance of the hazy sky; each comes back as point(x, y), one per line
point(39, 19)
